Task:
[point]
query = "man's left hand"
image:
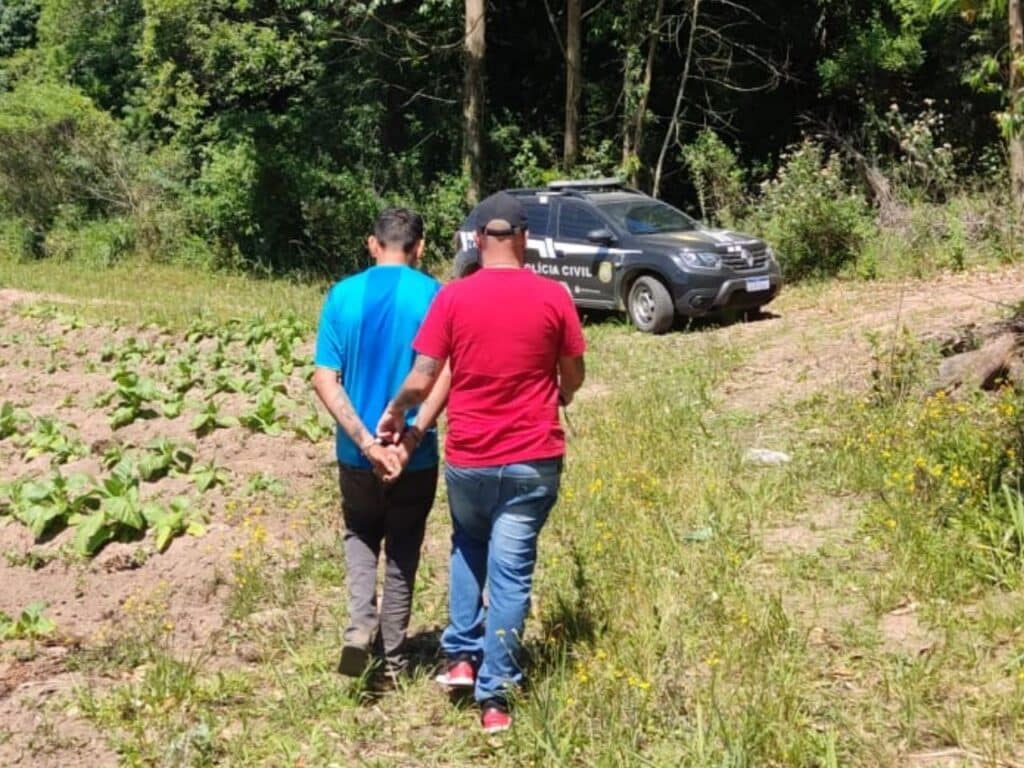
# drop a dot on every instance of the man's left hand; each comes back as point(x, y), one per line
point(391, 425)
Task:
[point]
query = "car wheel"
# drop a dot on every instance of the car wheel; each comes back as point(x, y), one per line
point(466, 264)
point(650, 305)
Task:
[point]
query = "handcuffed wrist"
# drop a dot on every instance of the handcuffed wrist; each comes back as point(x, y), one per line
point(415, 433)
point(366, 446)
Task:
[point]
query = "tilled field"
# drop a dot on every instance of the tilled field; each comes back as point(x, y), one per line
point(139, 469)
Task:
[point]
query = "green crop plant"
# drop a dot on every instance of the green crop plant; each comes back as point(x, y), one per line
point(135, 396)
point(165, 457)
point(199, 330)
point(261, 482)
point(183, 375)
point(116, 513)
point(313, 427)
point(45, 505)
point(114, 455)
point(268, 376)
point(217, 357)
point(265, 416)
point(210, 419)
point(207, 476)
point(11, 419)
point(173, 405)
point(31, 625)
point(224, 381)
point(175, 520)
point(50, 436)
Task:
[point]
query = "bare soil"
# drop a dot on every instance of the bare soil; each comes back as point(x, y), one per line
point(49, 368)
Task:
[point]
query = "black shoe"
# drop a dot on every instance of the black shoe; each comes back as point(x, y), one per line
point(354, 660)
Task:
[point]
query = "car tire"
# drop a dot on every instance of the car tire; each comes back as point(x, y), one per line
point(466, 263)
point(650, 305)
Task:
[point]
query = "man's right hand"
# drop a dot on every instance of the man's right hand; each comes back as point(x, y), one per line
point(387, 464)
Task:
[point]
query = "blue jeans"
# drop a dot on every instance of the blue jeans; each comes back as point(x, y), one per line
point(497, 514)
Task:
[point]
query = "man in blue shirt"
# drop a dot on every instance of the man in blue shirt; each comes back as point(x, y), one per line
point(363, 353)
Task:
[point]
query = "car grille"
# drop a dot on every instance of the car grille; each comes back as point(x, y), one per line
point(746, 260)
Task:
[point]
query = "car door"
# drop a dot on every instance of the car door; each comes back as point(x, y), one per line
point(538, 227)
point(584, 266)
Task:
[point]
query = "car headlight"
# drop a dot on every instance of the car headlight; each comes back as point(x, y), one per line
point(705, 259)
point(770, 253)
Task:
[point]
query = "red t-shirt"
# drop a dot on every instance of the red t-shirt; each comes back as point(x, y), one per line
point(503, 331)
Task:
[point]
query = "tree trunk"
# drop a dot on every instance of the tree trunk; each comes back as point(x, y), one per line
point(645, 91)
point(1014, 138)
point(573, 82)
point(473, 99)
point(672, 134)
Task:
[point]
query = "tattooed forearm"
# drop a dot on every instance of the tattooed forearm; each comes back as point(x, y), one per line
point(426, 365)
point(418, 383)
point(349, 420)
point(332, 394)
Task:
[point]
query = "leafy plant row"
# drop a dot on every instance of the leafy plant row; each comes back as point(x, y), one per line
point(101, 511)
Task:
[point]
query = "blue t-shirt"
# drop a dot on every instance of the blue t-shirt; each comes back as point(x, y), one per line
point(366, 331)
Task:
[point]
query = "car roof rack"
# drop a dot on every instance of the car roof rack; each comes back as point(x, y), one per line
point(584, 185)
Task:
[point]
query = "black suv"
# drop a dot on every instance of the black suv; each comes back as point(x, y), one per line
point(613, 247)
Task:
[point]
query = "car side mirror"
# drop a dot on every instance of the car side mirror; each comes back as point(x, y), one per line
point(601, 236)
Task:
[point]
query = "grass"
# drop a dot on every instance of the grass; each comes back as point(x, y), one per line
point(170, 295)
point(673, 624)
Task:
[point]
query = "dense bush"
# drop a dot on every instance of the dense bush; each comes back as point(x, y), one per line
point(810, 214)
point(57, 150)
point(17, 25)
point(717, 177)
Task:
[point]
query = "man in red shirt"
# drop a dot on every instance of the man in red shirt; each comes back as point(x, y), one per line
point(514, 345)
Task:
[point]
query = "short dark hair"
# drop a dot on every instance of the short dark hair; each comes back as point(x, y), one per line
point(399, 227)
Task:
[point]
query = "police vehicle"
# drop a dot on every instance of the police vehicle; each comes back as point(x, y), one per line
point(615, 248)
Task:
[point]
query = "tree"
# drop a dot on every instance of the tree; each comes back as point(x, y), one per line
point(1011, 119)
point(1014, 134)
point(573, 77)
point(636, 86)
point(473, 98)
point(672, 134)
point(17, 25)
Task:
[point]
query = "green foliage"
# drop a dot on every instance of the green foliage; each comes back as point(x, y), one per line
point(717, 176)
point(18, 241)
point(11, 419)
point(58, 151)
point(134, 396)
point(875, 46)
point(167, 524)
point(264, 416)
point(31, 624)
point(99, 243)
point(210, 419)
point(262, 482)
point(810, 215)
point(209, 475)
point(163, 457)
point(313, 427)
point(45, 505)
point(919, 165)
point(949, 474)
point(17, 25)
point(49, 436)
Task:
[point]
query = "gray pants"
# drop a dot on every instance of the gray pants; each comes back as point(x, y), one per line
point(395, 515)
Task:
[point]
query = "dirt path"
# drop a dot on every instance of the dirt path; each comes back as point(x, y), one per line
point(817, 339)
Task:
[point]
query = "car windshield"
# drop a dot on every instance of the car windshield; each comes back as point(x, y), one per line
point(648, 217)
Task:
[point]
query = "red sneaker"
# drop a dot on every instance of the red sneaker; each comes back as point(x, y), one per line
point(459, 673)
point(495, 717)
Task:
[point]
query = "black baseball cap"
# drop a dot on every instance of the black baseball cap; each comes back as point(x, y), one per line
point(500, 214)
